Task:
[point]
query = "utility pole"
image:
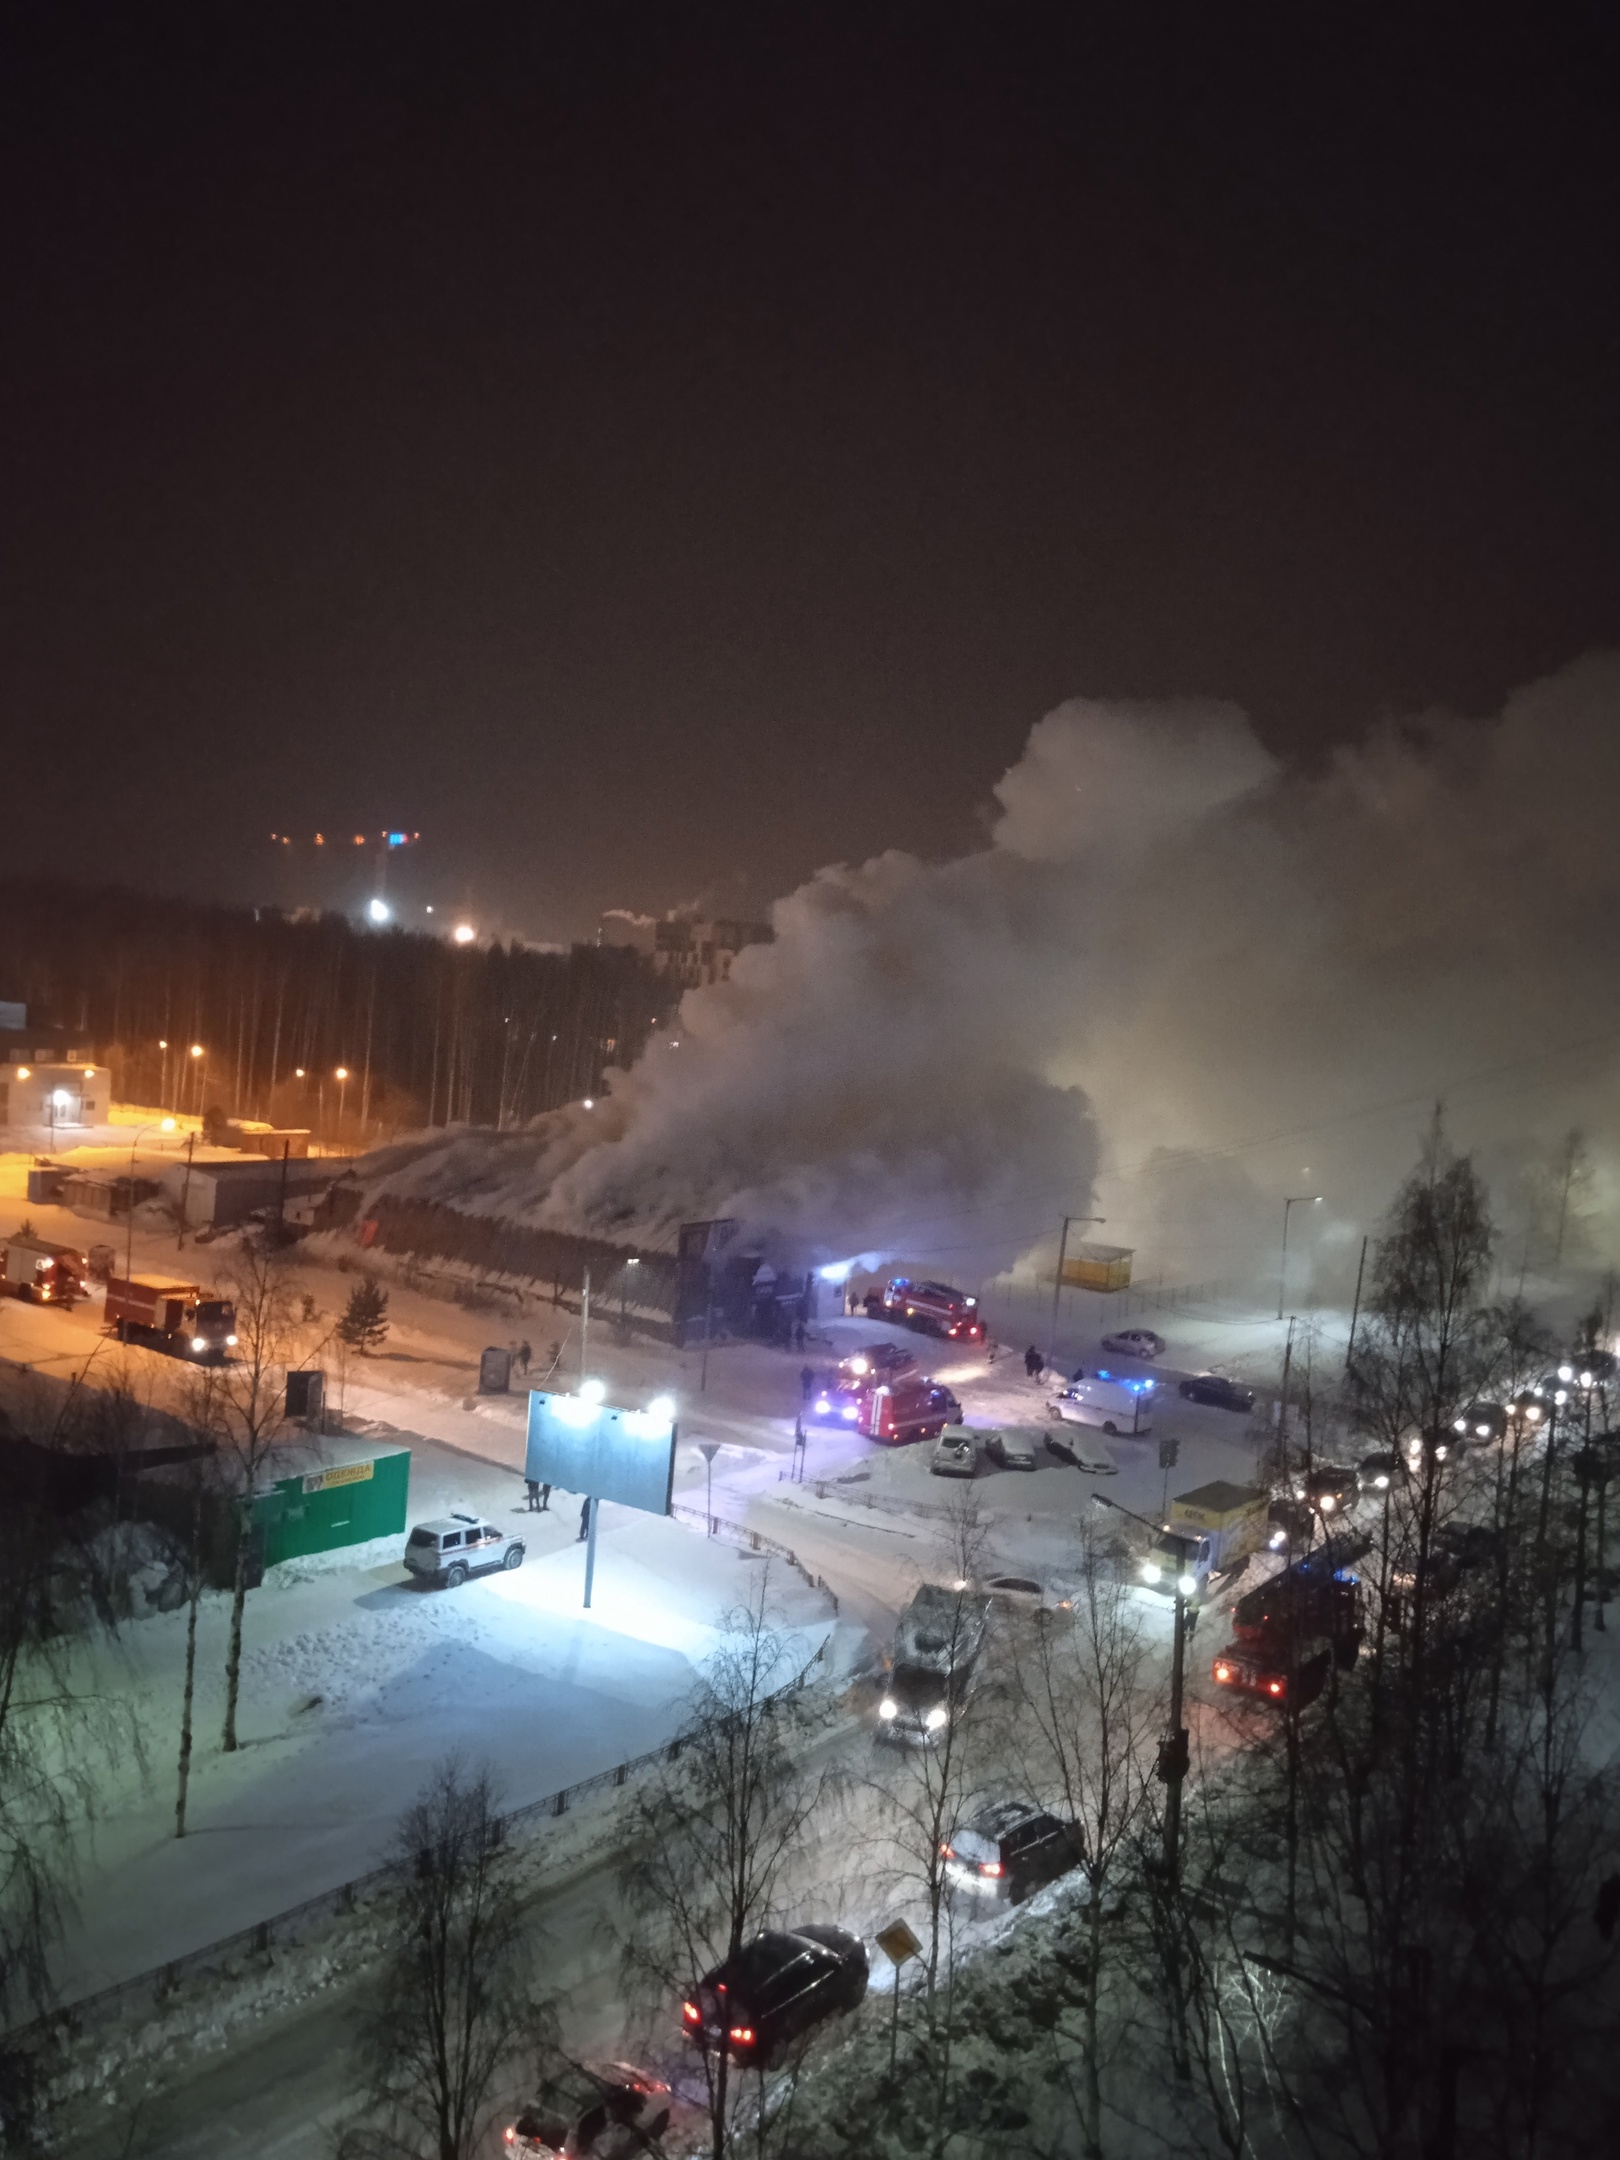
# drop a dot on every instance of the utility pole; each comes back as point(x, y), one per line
point(185, 1192)
point(1355, 1309)
point(1175, 1754)
point(1297, 1200)
point(1057, 1284)
point(584, 1339)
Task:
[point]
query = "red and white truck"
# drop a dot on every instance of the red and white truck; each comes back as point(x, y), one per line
point(48, 1274)
point(1288, 1631)
point(934, 1305)
point(902, 1410)
point(166, 1313)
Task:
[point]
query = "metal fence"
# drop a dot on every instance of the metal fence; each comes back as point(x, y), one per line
point(721, 1526)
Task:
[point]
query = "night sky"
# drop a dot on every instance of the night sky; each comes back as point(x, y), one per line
point(657, 450)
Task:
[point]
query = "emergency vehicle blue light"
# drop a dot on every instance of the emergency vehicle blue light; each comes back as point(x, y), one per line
point(396, 839)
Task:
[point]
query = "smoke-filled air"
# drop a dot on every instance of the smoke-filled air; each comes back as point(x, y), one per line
point(1181, 981)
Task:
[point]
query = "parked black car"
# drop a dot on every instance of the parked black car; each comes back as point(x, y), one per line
point(776, 1988)
point(1009, 1849)
point(1219, 1392)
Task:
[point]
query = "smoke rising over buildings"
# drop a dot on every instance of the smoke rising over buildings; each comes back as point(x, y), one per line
point(1178, 982)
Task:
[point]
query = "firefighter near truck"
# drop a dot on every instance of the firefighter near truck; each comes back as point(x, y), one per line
point(182, 1319)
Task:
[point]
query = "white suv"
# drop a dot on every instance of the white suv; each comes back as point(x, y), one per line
point(448, 1552)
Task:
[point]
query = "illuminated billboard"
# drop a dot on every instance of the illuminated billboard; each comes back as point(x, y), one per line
point(589, 1447)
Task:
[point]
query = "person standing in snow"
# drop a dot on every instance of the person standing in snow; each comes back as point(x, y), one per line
point(524, 1354)
point(531, 1487)
point(807, 1383)
point(1034, 1363)
point(584, 1522)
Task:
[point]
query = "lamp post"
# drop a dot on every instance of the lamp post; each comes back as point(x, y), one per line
point(157, 1125)
point(1057, 1286)
point(1294, 1201)
point(624, 1294)
point(197, 1056)
point(1174, 1754)
point(341, 1076)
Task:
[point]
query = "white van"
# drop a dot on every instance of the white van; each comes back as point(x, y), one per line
point(1118, 1406)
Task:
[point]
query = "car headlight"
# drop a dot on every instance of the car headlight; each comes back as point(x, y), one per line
point(199, 1342)
point(936, 1717)
point(1329, 1503)
point(230, 1342)
point(888, 1707)
point(1152, 1572)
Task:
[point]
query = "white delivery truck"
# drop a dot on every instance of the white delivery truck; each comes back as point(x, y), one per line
point(1211, 1533)
point(1118, 1406)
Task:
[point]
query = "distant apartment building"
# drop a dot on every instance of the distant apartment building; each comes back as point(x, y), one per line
point(688, 949)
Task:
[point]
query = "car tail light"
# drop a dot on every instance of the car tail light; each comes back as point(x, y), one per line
point(689, 2011)
point(989, 1867)
point(1274, 1687)
point(511, 2135)
point(743, 2035)
point(948, 1852)
point(1223, 1672)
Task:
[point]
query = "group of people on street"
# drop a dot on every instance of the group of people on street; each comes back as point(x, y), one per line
point(539, 1497)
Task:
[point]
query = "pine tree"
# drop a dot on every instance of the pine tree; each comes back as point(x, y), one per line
point(364, 1326)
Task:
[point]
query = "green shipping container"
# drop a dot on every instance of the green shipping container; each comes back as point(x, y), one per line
point(327, 1509)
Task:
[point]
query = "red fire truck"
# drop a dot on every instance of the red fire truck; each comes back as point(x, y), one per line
point(48, 1274)
point(1288, 1631)
point(902, 1410)
point(935, 1306)
point(165, 1313)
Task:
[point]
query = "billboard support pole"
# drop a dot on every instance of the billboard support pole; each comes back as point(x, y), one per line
point(590, 1552)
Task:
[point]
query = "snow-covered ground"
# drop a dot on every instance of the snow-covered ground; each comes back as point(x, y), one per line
point(354, 1682)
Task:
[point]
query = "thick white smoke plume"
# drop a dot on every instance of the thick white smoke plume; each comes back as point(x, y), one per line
point(1179, 983)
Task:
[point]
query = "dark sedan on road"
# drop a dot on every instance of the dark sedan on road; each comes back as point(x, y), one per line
point(775, 1989)
point(1217, 1391)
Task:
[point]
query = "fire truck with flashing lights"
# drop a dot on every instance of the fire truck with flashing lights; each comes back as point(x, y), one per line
point(933, 1305)
point(48, 1274)
point(1289, 1631)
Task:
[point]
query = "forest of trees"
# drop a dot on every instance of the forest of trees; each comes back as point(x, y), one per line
point(427, 1033)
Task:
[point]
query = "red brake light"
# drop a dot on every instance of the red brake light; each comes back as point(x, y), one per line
point(511, 2135)
point(1274, 1687)
point(743, 2034)
point(690, 2012)
point(1223, 1672)
point(989, 1867)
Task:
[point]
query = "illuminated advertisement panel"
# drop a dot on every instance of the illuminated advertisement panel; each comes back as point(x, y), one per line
point(591, 1447)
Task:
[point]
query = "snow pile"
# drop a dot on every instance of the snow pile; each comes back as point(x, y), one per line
point(1169, 939)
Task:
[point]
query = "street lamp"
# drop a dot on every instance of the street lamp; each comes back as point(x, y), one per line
point(197, 1054)
point(157, 1125)
point(1294, 1201)
point(1174, 1754)
point(1057, 1286)
point(342, 1078)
